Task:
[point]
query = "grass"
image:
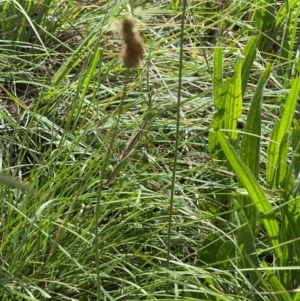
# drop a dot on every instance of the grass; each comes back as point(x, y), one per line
point(206, 204)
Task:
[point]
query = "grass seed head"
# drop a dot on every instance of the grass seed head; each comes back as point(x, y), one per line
point(132, 52)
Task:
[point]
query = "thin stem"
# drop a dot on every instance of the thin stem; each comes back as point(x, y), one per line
point(176, 141)
point(113, 134)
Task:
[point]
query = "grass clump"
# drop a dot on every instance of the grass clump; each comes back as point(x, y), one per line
point(169, 173)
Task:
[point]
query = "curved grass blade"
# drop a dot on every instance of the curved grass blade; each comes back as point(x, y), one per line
point(132, 143)
point(12, 182)
point(282, 14)
point(249, 53)
point(265, 21)
point(256, 194)
point(219, 94)
point(282, 155)
point(277, 287)
point(246, 243)
point(282, 126)
point(250, 145)
point(234, 100)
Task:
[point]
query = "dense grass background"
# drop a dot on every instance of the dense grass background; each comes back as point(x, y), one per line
point(206, 207)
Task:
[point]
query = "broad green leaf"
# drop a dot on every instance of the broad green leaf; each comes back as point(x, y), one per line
point(297, 296)
point(211, 241)
point(296, 147)
point(225, 253)
point(265, 15)
point(282, 14)
point(218, 76)
point(284, 52)
point(282, 126)
point(256, 194)
point(219, 93)
point(277, 286)
point(282, 156)
point(296, 187)
point(246, 243)
point(291, 235)
point(265, 21)
point(250, 145)
point(249, 53)
point(292, 39)
point(218, 118)
point(294, 180)
point(234, 100)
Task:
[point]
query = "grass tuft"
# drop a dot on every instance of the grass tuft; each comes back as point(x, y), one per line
point(170, 171)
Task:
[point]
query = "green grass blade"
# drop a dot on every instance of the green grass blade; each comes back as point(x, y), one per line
point(77, 57)
point(282, 126)
point(23, 28)
point(84, 82)
point(95, 56)
point(33, 222)
point(258, 197)
point(132, 143)
point(269, 23)
point(176, 142)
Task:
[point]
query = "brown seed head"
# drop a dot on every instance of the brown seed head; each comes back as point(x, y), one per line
point(132, 52)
